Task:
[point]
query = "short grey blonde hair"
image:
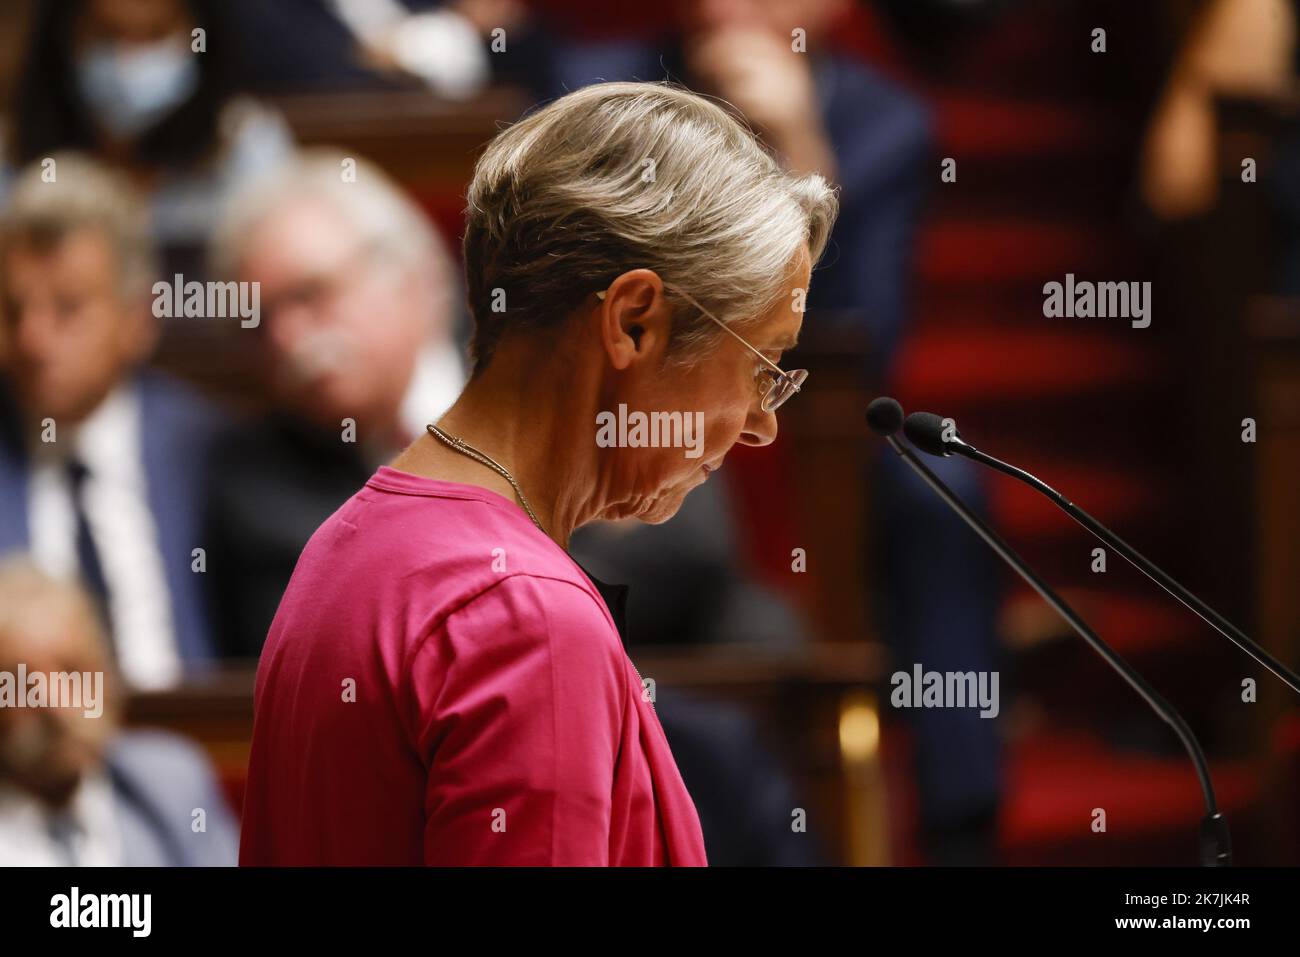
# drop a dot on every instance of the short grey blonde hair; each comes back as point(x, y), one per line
point(83, 194)
point(621, 176)
point(371, 203)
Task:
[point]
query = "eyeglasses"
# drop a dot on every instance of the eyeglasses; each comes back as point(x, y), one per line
point(775, 385)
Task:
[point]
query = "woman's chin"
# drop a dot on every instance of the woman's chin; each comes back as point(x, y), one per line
point(666, 504)
point(660, 513)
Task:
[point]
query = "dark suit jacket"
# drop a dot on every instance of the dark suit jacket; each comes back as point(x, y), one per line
point(177, 431)
point(276, 480)
point(743, 794)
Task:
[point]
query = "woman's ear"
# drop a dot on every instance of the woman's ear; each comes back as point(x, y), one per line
point(633, 318)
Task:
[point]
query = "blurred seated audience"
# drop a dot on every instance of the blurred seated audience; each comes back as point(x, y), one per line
point(103, 465)
point(128, 82)
point(75, 789)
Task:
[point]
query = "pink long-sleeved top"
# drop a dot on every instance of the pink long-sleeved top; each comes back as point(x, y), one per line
point(443, 685)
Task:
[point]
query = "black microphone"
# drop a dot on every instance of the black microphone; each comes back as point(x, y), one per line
point(884, 415)
point(938, 436)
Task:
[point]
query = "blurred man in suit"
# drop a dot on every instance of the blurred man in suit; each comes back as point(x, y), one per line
point(74, 789)
point(357, 345)
point(105, 464)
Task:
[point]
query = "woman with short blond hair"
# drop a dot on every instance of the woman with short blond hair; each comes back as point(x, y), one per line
point(442, 683)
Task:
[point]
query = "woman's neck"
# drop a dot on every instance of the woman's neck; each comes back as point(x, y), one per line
point(531, 420)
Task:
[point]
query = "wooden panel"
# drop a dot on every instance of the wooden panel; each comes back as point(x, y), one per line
point(421, 141)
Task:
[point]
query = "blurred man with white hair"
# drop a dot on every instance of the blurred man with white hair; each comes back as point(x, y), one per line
point(356, 343)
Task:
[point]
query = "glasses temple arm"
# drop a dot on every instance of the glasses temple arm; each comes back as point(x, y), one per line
point(725, 328)
point(729, 331)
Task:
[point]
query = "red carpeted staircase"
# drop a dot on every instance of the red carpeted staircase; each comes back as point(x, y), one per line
point(1046, 136)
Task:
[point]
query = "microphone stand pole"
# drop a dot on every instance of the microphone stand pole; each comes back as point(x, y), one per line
point(1215, 842)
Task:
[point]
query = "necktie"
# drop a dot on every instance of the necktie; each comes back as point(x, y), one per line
point(92, 572)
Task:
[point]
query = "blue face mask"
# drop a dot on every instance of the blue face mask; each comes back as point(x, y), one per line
point(129, 87)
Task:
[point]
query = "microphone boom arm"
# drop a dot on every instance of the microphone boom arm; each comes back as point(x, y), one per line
point(1138, 561)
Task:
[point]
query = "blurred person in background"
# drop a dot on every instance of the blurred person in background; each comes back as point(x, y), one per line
point(445, 48)
point(819, 111)
point(359, 321)
point(128, 82)
point(1234, 49)
point(75, 789)
point(358, 324)
point(823, 111)
point(103, 465)
point(1241, 48)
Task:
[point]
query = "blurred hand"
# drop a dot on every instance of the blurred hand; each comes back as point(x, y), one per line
point(1236, 48)
point(757, 72)
point(487, 15)
point(1243, 47)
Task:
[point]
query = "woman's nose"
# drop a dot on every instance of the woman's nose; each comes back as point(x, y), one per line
point(760, 428)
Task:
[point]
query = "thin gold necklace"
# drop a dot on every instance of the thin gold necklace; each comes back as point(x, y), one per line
point(460, 445)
